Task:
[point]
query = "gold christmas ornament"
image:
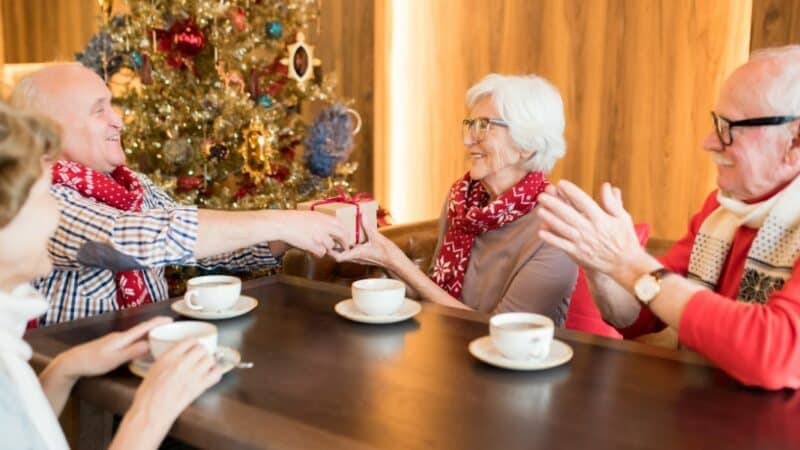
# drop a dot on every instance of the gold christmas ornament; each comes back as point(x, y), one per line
point(301, 61)
point(257, 151)
point(232, 77)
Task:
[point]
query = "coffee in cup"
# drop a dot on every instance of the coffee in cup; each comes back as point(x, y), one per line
point(162, 337)
point(378, 296)
point(212, 293)
point(522, 335)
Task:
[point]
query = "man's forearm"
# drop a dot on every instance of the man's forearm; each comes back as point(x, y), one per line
point(621, 308)
point(226, 231)
point(616, 305)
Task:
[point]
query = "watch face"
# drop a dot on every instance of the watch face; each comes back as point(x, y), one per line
point(646, 288)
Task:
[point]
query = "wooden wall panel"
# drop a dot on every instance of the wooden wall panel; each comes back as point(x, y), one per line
point(46, 30)
point(775, 23)
point(345, 45)
point(638, 78)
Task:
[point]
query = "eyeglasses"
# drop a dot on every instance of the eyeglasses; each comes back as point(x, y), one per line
point(478, 127)
point(724, 125)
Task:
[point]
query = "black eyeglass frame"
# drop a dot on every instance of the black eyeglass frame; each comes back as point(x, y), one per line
point(754, 122)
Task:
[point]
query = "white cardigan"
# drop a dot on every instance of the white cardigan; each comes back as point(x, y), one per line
point(16, 309)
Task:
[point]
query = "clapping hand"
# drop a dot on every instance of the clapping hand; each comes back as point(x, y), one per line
point(598, 238)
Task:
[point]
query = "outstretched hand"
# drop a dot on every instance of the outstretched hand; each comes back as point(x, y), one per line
point(313, 232)
point(377, 251)
point(599, 238)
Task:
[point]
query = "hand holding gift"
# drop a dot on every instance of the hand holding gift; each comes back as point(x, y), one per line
point(355, 213)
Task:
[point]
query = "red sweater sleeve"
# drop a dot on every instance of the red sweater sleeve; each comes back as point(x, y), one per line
point(758, 344)
point(676, 259)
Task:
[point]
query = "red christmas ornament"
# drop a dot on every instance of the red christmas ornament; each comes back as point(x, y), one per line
point(238, 19)
point(384, 217)
point(288, 151)
point(182, 41)
point(187, 183)
point(188, 38)
point(280, 173)
point(146, 72)
point(246, 188)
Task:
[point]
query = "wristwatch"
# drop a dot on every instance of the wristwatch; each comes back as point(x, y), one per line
point(648, 285)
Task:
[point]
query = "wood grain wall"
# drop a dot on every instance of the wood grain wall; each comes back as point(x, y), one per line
point(775, 23)
point(346, 46)
point(46, 30)
point(638, 78)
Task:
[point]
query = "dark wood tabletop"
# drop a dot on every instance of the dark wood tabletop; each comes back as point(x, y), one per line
point(321, 381)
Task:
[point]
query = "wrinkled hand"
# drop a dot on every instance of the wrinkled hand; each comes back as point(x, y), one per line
point(599, 238)
point(175, 380)
point(108, 352)
point(377, 251)
point(313, 232)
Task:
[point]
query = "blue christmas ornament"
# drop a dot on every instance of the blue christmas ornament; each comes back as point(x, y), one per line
point(329, 140)
point(99, 54)
point(137, 59)
point(274, 30)
point(265, 101)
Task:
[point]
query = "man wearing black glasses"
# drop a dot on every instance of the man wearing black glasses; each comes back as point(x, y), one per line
point(731, 286)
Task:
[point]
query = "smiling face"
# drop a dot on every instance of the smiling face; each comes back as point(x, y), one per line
point(760, 159)
point(495, 158)
point(81, 103)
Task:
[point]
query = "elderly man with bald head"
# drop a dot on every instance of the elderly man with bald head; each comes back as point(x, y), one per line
point(731, 286)
point(118, 230)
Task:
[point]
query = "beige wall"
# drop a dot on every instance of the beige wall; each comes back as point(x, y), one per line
point(638, 78)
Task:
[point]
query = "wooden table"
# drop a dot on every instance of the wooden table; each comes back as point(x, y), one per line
point(321, 381)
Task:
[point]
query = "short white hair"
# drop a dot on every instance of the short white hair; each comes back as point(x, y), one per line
point(782, 93)
point(534, 111)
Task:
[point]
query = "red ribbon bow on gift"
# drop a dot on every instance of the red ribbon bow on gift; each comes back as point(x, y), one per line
point(352, 200)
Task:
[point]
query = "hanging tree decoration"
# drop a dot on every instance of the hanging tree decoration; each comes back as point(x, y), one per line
point(181, 42)
point(301, 61)
point(232, 77)
point(257, 151)
point(329, 141)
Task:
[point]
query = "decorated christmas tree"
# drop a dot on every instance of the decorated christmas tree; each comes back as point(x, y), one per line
point(215, 97)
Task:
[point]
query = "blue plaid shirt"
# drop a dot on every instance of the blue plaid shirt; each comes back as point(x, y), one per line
point(94, 240)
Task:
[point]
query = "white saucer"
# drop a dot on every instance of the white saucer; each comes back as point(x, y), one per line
point(227, 359)
point(483, 349)
point(347, 308)
point(244, 305)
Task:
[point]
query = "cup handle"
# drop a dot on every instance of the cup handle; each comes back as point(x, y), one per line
point(187, 298)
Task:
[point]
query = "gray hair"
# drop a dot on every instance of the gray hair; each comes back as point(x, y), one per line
point(534, 111)
point(782, 93)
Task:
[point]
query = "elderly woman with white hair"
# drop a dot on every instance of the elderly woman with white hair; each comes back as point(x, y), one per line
point(489, 257)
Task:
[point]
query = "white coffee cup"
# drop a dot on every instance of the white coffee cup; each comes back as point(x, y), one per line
point(522, 335)
point(378, 296)
point(212, 293)
point(163, 337)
